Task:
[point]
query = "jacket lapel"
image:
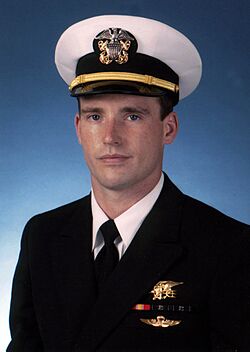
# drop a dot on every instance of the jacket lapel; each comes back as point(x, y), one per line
point(73, 266)
point(151, 253)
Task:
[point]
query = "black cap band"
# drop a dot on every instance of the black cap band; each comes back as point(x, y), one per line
point(150, 76)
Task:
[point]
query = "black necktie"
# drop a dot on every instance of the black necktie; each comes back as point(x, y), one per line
point(108, 256)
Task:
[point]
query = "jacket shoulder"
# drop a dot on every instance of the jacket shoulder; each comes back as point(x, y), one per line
point(57, 218)
point(209, 224)
point(65, 209)
point(205, 212)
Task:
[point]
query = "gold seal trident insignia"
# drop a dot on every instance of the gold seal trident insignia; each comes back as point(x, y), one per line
point(163, 289)
point(161, 322)
point(114, 44)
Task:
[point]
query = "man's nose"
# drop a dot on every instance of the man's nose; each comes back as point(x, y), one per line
point(112, 132)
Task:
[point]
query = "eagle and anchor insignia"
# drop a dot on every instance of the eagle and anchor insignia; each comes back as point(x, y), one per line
point(114, 44)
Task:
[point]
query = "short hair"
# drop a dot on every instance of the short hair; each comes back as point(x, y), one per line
point(166, 106)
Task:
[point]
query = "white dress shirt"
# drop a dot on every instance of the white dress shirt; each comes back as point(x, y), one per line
point(127, 223)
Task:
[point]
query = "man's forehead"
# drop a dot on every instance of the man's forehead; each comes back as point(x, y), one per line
point(122, 99)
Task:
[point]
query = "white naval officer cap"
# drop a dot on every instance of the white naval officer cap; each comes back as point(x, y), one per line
point(127, 54)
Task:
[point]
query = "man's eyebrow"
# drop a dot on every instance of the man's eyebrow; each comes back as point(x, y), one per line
point(91, 109)
point(138, 109)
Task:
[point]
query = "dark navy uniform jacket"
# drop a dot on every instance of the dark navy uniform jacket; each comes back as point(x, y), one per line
point(55, 306)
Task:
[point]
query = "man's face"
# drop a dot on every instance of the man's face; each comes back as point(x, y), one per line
point(123, 137)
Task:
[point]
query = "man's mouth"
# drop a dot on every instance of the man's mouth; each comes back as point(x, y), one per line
point(114, 158)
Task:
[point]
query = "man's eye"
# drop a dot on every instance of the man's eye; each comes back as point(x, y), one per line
point(94, 117)
point(133, 117)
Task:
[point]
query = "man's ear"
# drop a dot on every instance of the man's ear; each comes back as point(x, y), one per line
point(170, 124)
point(78, 127)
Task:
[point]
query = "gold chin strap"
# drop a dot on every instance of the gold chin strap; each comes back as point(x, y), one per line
point(124, 76)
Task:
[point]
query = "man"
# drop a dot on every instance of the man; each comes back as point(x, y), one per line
point(169, 272)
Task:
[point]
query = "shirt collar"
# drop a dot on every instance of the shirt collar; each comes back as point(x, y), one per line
point(128, 222)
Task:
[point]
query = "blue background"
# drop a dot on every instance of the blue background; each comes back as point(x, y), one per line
point(41, 162)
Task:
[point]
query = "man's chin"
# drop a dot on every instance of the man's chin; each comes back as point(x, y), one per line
point(113, 183)
point(116, 185)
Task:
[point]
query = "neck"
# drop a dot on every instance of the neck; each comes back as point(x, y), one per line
point(116, 202)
